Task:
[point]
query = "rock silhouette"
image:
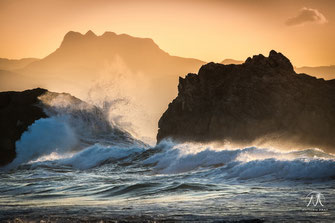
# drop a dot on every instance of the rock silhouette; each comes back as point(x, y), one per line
point(262, 99)
point(18, 110)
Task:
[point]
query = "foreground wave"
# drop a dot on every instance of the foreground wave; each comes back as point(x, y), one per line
point(171, 180)
point(171, 158)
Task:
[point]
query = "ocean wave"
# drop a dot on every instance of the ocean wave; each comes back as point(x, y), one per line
point(43, 137)
point(273, 169)
point(97, 154)
point(72, 125)
point(244, 164)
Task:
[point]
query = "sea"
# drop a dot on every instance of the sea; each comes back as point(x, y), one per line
point(77, 166)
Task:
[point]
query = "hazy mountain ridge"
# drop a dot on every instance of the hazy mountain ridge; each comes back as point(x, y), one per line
point(325, 72)
point(11, 80)
point(91, 52)
point(231, 61)
point(13, 64)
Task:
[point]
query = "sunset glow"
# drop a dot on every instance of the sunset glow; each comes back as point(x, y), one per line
point(206, 30)
point(167, 111)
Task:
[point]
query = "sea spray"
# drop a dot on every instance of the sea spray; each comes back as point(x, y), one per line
point(73, 125)
point(43, 137)
point(245, 163)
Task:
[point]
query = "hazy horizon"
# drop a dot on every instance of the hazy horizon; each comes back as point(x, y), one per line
point(205, 30)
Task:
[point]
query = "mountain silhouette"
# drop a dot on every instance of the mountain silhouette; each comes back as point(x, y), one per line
point(85, 54)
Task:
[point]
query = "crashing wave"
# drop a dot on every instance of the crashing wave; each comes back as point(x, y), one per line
point(82, 136)
point(72, 125)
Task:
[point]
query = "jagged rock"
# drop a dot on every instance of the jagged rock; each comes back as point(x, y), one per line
point(261, 99)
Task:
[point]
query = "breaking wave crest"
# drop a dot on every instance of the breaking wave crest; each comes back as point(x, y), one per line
point(98, 154)
point(44, 137)
point(244, 164)
point(204, 161)
point(72, 126)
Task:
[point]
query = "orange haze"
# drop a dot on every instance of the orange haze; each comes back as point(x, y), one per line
point(206, 30)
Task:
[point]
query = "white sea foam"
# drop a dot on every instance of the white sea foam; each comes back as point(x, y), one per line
point(296, 169)
point(246, 163)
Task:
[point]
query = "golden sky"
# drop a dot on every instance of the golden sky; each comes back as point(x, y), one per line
point(304, 30)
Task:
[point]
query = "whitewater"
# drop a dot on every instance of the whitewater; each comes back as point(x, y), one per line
point(79, 164)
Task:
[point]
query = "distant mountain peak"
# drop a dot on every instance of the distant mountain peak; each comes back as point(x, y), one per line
point(72, 34)
point(70, 37)
point(90, 33)
point(77, 42)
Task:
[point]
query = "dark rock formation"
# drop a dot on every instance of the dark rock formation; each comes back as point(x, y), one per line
point(262, 98)
point(18, 110)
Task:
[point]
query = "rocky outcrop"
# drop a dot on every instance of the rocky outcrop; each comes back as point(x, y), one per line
point(262, 98)
point(18, 110)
